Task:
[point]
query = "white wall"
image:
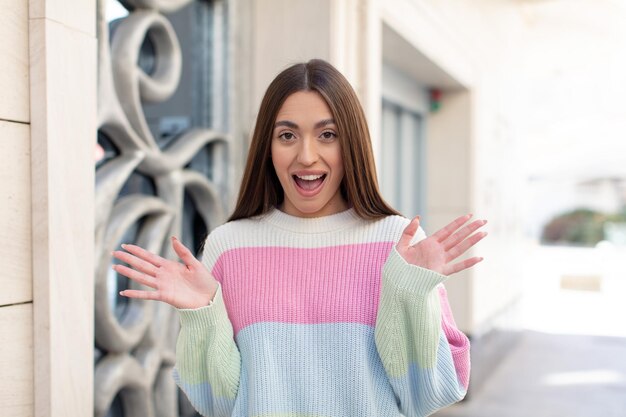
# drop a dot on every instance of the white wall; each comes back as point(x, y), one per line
point(468, 49)
point(573, 69)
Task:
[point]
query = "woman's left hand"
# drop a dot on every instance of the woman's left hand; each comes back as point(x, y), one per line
point(437, 252)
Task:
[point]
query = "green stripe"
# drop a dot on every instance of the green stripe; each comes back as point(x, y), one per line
point(206, 351)
point(408, 325)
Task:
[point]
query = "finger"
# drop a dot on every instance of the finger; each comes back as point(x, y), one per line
point(142, 295)
point(460, 266)
point(409, 232)
point(443, 234)
point(137, 263)
point(459, 236)
point(183, 252)
point(148, 256)
point(136, 276)
point(462, 247)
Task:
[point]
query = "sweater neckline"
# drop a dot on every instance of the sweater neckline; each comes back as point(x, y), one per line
point(330, 223)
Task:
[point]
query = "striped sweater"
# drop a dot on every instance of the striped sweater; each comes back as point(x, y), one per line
point(319, 318)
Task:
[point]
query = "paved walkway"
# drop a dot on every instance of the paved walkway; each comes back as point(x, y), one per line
point(571, 359)
point(554, 375)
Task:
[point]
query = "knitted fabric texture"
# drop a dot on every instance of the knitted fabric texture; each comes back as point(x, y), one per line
point(319, 318)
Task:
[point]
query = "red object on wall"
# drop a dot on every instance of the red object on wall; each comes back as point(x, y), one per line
point(435, 99)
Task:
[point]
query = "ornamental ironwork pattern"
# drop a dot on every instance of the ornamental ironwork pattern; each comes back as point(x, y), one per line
point(148, 187)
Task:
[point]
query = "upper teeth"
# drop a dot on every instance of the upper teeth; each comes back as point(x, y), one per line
point(309, 177)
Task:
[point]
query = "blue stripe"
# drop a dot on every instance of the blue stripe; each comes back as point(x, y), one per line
point(325, 370)
point(423, 391)
point(201, 397)
point(329, 369)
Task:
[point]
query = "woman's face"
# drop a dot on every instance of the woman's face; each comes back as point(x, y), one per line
point(307, 156)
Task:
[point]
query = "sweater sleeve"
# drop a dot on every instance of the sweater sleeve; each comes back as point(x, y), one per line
point(207, 359)
point(458, 341)
point(426, 358)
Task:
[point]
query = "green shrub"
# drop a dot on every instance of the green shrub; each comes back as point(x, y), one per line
point(581, 227)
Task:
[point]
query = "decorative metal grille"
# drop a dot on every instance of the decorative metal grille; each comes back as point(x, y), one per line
point(153, 180)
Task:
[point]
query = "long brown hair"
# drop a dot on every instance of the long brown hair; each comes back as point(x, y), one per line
point(260, 189)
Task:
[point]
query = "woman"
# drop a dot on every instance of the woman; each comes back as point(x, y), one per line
point(315, 298)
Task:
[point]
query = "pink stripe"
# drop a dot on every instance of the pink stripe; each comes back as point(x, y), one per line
point(291, 285)
point(459, 343)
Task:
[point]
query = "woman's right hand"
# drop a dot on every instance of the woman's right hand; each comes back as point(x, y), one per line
point(182, 285)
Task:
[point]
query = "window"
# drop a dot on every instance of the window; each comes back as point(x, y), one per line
point(402, 174)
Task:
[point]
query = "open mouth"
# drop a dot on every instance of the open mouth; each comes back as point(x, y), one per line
point(309, 183)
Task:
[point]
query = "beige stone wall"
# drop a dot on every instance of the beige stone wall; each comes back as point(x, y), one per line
point(47, 125)
point(16, 298)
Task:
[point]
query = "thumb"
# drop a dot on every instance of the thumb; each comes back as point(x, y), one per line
point(409, 232)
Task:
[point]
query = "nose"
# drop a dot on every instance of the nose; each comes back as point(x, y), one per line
point(308, 154)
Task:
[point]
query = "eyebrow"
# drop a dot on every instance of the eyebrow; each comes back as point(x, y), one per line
point(292, 125)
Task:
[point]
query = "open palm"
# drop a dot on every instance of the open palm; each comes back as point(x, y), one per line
point(182, 285)
point(437, 252)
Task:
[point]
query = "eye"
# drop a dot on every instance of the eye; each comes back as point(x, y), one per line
point(287, 136)
point(328, 135)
